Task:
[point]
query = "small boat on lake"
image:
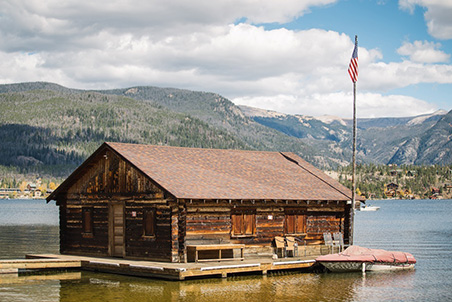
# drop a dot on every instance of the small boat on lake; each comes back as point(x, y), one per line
point(368, 208)
point(356, 258)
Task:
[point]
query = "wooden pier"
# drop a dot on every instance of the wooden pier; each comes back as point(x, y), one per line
point(13, 266)
point(162, 270)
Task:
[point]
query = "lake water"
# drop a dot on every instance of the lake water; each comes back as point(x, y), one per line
point(421, 227)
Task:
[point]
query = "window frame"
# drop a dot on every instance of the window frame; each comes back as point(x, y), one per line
point(151, 214)
point(298, 216)
point(243, 223)
point(88, 221)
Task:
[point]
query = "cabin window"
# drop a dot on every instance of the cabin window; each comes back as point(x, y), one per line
point(295, 222)
point(149, 223)
point(87, 220)
point(243, 223)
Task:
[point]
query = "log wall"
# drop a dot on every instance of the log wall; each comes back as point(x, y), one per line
point(209, 222)
point(72, 237)
point(109, 179)
point(156, 247)
point(109, 175)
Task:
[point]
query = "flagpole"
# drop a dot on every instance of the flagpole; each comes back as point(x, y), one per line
point(352, 211)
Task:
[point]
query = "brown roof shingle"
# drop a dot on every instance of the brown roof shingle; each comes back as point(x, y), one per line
point(192, 173)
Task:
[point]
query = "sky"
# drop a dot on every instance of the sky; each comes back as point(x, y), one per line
point(290, 56)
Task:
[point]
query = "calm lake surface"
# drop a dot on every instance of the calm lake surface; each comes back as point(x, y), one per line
point(421, 227)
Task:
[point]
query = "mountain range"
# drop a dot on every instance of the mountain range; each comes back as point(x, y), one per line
point(418, 140)
point(49, 129)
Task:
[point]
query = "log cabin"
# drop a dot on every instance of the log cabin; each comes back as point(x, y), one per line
point(155, 202)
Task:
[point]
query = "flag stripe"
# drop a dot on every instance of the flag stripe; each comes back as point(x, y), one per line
point(353, 66)
point(353, 69)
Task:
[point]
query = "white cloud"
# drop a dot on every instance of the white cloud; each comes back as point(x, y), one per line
point(49, 25)
point(437, 16)
point(377, 105)
point(199, 45)
point(423, 52)
point(409, 5)
point(382, 76)
point(341, 104)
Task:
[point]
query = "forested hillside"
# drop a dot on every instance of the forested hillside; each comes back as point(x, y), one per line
point(221, 113)
point(50, 132)
point(47, 130)
point(412, 181)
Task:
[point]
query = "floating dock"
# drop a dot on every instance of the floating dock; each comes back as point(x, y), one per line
point(13, 266)
point(162, 270)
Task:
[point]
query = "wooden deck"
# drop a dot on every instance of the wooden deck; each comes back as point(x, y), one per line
point(13, 266)
point(162, 270)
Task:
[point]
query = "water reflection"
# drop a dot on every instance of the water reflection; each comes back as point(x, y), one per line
point(423, 228)
point(28, 226)
point(293, 287)
point(18, 240)
point(36, 287)
point(289, 287)
point(32, 277)
point(88, 286)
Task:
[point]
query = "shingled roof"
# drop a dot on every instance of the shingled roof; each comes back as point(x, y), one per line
point(194, 173)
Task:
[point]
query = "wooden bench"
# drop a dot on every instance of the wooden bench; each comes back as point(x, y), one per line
point(213, 247)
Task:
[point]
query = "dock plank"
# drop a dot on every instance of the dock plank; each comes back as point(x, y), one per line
point(162, 270)
point(38, 264)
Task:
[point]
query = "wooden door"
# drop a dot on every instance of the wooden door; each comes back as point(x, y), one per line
point(117, 230)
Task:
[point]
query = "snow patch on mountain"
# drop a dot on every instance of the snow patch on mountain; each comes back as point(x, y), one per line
point(420, 119)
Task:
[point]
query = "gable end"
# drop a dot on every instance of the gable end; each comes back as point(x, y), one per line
point(106, 174)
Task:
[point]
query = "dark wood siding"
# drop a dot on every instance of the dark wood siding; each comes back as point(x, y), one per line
point(138, 245)
point(109, 175)
point(320, 222)
point(109, 179)
point(73, 238)
point(216, 222)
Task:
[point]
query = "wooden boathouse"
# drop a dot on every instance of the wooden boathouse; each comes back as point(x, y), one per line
point(173, 204)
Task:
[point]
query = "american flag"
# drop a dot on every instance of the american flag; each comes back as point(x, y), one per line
point(353, 66)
